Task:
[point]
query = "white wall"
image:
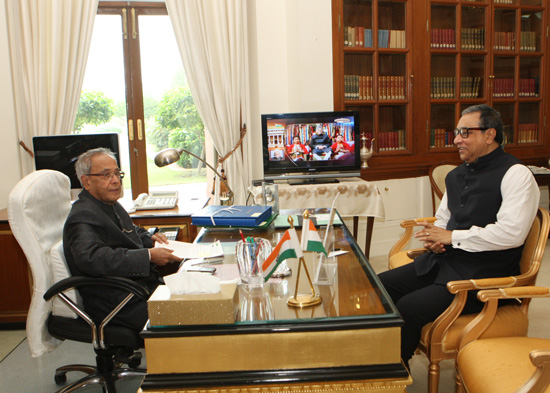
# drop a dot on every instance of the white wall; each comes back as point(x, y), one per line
point(9, 157)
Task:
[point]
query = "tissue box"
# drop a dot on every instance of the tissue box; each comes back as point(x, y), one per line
point(166, 309)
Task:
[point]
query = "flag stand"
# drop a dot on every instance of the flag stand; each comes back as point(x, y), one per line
point(303, 300)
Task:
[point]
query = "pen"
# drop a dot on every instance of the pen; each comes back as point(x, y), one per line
point(242, 236)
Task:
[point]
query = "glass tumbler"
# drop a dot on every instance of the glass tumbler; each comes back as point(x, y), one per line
point(251, 255)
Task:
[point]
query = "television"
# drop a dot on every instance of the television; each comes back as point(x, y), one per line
point(60, 152)
point(316, 146)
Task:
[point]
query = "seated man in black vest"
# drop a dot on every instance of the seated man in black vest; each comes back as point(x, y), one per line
point(100, 239)
point(482, 222)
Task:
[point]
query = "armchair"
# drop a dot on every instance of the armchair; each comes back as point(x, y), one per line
point(504, 364)
point(439, 339)
point(437, 175)
point(397, 256)
point(37, 209)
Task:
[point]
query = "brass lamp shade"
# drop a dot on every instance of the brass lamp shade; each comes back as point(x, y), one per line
point(167, 157)
point(170, 155)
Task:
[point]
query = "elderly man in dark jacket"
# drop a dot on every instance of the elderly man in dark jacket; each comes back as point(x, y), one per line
point(100, 239)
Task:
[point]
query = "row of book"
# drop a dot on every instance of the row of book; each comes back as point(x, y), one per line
point(442, 87)
point(527, 133)
point(472, 39)
point(359, 36)
point(443, 39)
point(392, 140)
point(359, 87)
point(528, 41)
point(440, 137)
point(469, 86)
point(391, 39)
point(528, 87)
point(504, 40)
point(504, 87)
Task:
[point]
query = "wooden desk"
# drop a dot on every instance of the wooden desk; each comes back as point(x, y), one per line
point(180, 217)
point(358, 198)
point(15, 280)
point(349, 342)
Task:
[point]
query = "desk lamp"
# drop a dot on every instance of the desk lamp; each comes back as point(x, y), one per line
point(171, 155)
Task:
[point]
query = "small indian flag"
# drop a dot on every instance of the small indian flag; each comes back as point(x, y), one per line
point(310, 238)
point(288, 247)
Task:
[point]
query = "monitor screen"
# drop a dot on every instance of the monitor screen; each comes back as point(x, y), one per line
point(60, 152)
point(311, 142)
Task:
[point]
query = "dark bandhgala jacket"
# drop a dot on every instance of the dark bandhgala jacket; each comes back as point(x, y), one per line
point(101, 240)
point(474, 198)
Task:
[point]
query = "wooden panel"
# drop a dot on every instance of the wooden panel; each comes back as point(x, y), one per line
point(15, 292)
point(273, 351)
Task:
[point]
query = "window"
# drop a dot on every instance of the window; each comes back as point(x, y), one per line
point(135, 85)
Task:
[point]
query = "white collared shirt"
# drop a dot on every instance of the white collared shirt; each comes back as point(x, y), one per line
point(520, 201)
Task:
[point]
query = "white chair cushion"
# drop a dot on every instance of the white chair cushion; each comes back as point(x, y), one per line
point(60, 271)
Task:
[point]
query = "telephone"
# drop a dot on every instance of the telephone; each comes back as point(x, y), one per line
point(156, 200)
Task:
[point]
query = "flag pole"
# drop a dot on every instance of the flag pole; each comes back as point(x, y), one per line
point(303, 300)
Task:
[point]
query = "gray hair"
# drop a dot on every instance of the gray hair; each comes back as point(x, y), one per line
point(83, 164)
point(488, 118)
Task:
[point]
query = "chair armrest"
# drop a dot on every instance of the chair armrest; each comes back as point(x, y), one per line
point(491, 297)
point(407, 235)
point(460, 289)
point(97, 332)
point(513, 293)
point(112, 282)
point(484, 283)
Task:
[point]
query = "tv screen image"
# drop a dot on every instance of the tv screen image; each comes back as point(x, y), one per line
point(311, 143)
point(60, 152)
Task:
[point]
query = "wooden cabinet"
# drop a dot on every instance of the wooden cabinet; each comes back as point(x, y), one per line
point(410, 67)
point(15, 281)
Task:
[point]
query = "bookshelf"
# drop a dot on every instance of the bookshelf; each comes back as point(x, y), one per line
point(410, 67)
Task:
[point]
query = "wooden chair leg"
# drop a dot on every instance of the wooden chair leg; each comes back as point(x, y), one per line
point(433, 377)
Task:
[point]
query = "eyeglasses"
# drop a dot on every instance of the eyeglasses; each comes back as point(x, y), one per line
point(465, 131)
point(107, 176)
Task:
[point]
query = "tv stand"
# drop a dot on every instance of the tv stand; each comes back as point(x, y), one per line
point(321, 180)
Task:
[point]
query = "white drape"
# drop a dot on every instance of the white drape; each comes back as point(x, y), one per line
point(212, 39)
point(49, 44)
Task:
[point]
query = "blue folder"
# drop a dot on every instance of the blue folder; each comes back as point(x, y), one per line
point(235, 216)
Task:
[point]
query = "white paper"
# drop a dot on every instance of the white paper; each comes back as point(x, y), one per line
point(191, 250)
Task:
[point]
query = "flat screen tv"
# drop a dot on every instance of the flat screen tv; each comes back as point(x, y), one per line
point(60, 152)
point(315, 144)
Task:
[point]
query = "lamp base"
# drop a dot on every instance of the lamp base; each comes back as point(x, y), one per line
point(304, 300)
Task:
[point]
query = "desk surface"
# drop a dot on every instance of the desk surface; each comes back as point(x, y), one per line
point(352, 334)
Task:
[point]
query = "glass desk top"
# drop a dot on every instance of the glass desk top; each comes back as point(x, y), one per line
point(352, 296)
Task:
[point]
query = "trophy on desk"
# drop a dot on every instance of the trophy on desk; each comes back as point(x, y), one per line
point(365, 154)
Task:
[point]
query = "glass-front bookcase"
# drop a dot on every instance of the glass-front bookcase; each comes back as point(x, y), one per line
point(375, 60)
point(410, 67)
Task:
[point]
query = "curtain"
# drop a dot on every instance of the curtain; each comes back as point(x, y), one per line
point(49, 43)
point(211, 36)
